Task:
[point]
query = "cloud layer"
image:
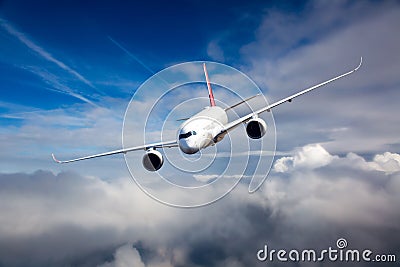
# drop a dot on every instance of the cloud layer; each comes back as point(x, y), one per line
point(293, 51)
point(72, 220)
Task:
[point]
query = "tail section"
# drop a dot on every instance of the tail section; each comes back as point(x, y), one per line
point(210, 92)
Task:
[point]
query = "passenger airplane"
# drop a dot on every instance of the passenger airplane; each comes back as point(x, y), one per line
point(207, 128)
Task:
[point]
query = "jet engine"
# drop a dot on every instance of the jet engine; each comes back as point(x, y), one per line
point(256, 128)
point(152, 160)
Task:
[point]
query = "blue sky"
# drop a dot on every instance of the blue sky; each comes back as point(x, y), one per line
point(68, 70)
point(72, 58)
point(156, 34)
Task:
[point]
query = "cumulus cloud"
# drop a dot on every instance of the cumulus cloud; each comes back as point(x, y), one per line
point(67, 219)
point(388, 162)
point(315, 156)
point(310, 156)
point(59, 218)
point(125, 256)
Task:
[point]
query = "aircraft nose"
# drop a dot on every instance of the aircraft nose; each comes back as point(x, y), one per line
point(188, 146)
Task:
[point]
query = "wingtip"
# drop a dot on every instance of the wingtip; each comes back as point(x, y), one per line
point(359, 65)
point(54, 158)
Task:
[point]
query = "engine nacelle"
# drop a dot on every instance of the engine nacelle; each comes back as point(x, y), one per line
point(152, 160)
point(256, 128)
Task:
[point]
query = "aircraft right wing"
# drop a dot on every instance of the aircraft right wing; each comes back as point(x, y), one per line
point(231, 125)
point(241, 102)
point(173, 143)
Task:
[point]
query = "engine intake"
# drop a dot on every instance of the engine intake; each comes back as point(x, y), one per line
point(256, 128)
point(152, 160)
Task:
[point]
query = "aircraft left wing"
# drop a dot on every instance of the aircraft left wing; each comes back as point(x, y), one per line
point(235, 123)
point(167, 144)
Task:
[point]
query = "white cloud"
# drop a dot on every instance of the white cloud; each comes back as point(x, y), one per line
point(312, 156)
point(343, 194)
point(71, 132)
point(349, 193)
point(292, 52)
point(215, 52)
point(282, 164)
point(388, 162)
point(309, 157)
point(204, 177)
point(315, 156)
point(125, 256)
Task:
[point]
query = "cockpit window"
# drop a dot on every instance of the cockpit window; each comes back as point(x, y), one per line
point(186, 135)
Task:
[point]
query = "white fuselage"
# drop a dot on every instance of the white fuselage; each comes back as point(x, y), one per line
point(198, 132)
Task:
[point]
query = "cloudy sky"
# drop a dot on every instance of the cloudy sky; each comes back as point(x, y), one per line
point(69, 69)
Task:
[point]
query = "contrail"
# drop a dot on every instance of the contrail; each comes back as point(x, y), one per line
point(44, 54)
point(131, 55)
point(56, 85)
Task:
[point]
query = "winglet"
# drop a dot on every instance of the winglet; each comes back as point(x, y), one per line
point(359, 65)
point(54, 158)
point(210, 92)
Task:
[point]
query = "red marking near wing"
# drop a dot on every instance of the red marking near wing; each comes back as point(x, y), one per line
point(54, 158)
point(210, 92)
